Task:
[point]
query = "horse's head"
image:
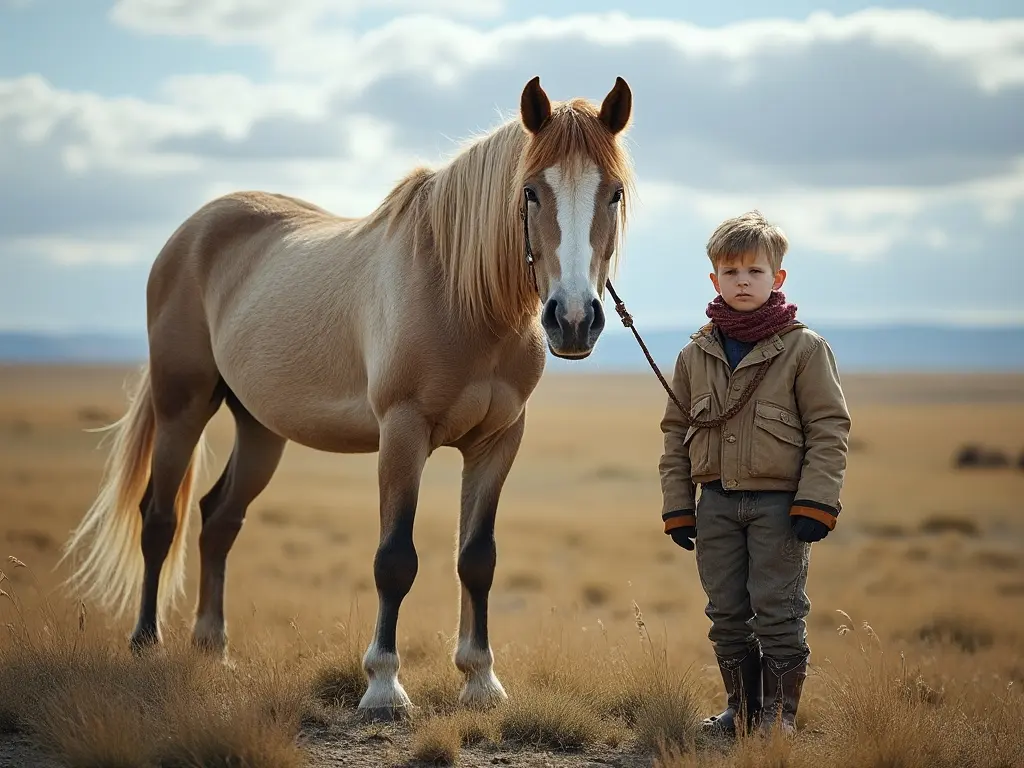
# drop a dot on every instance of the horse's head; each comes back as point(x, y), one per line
point(575, 176)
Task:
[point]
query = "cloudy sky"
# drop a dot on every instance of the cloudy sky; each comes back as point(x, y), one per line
point(888, 142)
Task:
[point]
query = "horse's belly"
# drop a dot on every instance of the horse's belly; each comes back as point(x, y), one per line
point(339, 426)
point(326, 411)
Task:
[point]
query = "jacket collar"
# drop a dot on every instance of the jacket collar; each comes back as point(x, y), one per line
point(707, 338)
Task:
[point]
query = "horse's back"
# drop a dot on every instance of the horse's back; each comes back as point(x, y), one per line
point(265, 206)
point(227, 228)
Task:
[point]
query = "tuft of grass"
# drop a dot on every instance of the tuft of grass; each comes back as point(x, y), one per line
point(437, 741)
point(340, 682)
point(546, 718)
point(476, 727)
point(339, 679)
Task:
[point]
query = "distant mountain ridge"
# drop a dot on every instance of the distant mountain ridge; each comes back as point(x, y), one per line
point(903, 348)
point(31, 347)
point(921, 348)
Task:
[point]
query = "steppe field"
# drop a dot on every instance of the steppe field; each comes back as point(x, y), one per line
point(597, 618)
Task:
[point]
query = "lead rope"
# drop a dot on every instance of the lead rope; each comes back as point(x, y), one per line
point(627, 321)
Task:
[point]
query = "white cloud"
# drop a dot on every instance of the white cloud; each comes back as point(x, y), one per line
point(233, 102)
point(315, 35)
point(264, 21)
point(76, 251)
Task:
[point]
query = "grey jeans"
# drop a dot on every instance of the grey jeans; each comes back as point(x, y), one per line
point(754, 572)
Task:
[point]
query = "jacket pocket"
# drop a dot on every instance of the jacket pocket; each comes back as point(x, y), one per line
point(698, 439)
point(777, 444)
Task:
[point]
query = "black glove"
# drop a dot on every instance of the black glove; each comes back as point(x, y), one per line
point(807, 529)
point(684, 536)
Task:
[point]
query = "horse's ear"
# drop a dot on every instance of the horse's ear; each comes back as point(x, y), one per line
point(534, 106)
point(617, 106)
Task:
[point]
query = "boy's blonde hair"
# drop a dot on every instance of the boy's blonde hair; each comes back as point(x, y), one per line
point(747, 234)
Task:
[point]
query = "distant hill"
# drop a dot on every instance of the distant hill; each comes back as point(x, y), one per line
point(27, 347)
point(894, 348)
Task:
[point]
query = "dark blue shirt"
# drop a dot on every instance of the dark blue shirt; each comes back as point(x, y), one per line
point(735, 350)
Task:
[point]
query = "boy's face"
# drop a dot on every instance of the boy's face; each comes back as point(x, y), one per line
point(746, 283)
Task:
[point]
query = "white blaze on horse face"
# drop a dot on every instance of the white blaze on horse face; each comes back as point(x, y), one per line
point(575, 199)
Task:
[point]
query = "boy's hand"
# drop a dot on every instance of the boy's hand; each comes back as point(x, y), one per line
point(681, 525)
point(684, 536)
point(808, 530)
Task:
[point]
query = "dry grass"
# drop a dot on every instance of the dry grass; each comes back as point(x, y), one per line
point(879, 710)
point(87, 701)
point(596, 618)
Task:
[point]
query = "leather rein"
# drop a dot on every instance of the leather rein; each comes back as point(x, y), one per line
point(627, 321)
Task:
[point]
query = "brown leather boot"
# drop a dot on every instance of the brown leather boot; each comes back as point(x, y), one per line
point(742, 677)
point(783, 685)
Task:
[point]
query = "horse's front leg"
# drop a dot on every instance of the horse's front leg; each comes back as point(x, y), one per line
point(485, 468)
point(403, 452)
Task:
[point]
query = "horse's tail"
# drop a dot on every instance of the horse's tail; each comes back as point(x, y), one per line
point(111, 530)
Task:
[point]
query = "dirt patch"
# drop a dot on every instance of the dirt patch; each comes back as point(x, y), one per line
point(352, 742)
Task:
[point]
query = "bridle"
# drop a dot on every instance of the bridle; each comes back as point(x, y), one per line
point(627, 321)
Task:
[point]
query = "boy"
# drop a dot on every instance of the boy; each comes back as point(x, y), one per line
point(766, 438)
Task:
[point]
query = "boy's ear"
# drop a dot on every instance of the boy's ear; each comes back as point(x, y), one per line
point(714, 282)
point(780, 278)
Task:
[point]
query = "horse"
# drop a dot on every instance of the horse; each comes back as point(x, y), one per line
point(424, 324)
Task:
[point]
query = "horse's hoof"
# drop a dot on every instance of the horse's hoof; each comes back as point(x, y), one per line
point(481, 688)
point(385, 701)
point(214, 654)
point(143, 642)
point(214, 647)
point(385, 698)
point(482, 694)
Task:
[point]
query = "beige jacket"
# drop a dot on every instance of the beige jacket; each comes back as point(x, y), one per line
point(792, 434)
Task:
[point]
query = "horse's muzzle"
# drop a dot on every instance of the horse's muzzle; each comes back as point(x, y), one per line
point(572, 334)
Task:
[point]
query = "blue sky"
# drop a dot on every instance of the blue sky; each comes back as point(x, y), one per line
point(886, 140)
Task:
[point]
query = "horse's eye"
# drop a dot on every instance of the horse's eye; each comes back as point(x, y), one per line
point(531, 195)
point(617, 196)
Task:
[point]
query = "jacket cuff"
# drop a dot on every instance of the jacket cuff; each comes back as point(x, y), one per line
point(680, 518)
point(815, 510)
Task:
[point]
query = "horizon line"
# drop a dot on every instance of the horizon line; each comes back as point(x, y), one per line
point(1016, 323)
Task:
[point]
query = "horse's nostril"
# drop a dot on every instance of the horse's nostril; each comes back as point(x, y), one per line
point(598, 324)
point(550, 317)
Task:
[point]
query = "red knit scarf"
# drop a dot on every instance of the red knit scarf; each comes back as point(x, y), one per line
point(771, 317)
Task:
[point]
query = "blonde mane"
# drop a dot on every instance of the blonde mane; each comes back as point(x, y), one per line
point(471, 206)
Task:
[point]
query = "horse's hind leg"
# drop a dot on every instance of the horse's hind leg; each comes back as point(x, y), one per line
point(404, 448)
point(252, 463)
point(486, 467)
point(183, 403)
